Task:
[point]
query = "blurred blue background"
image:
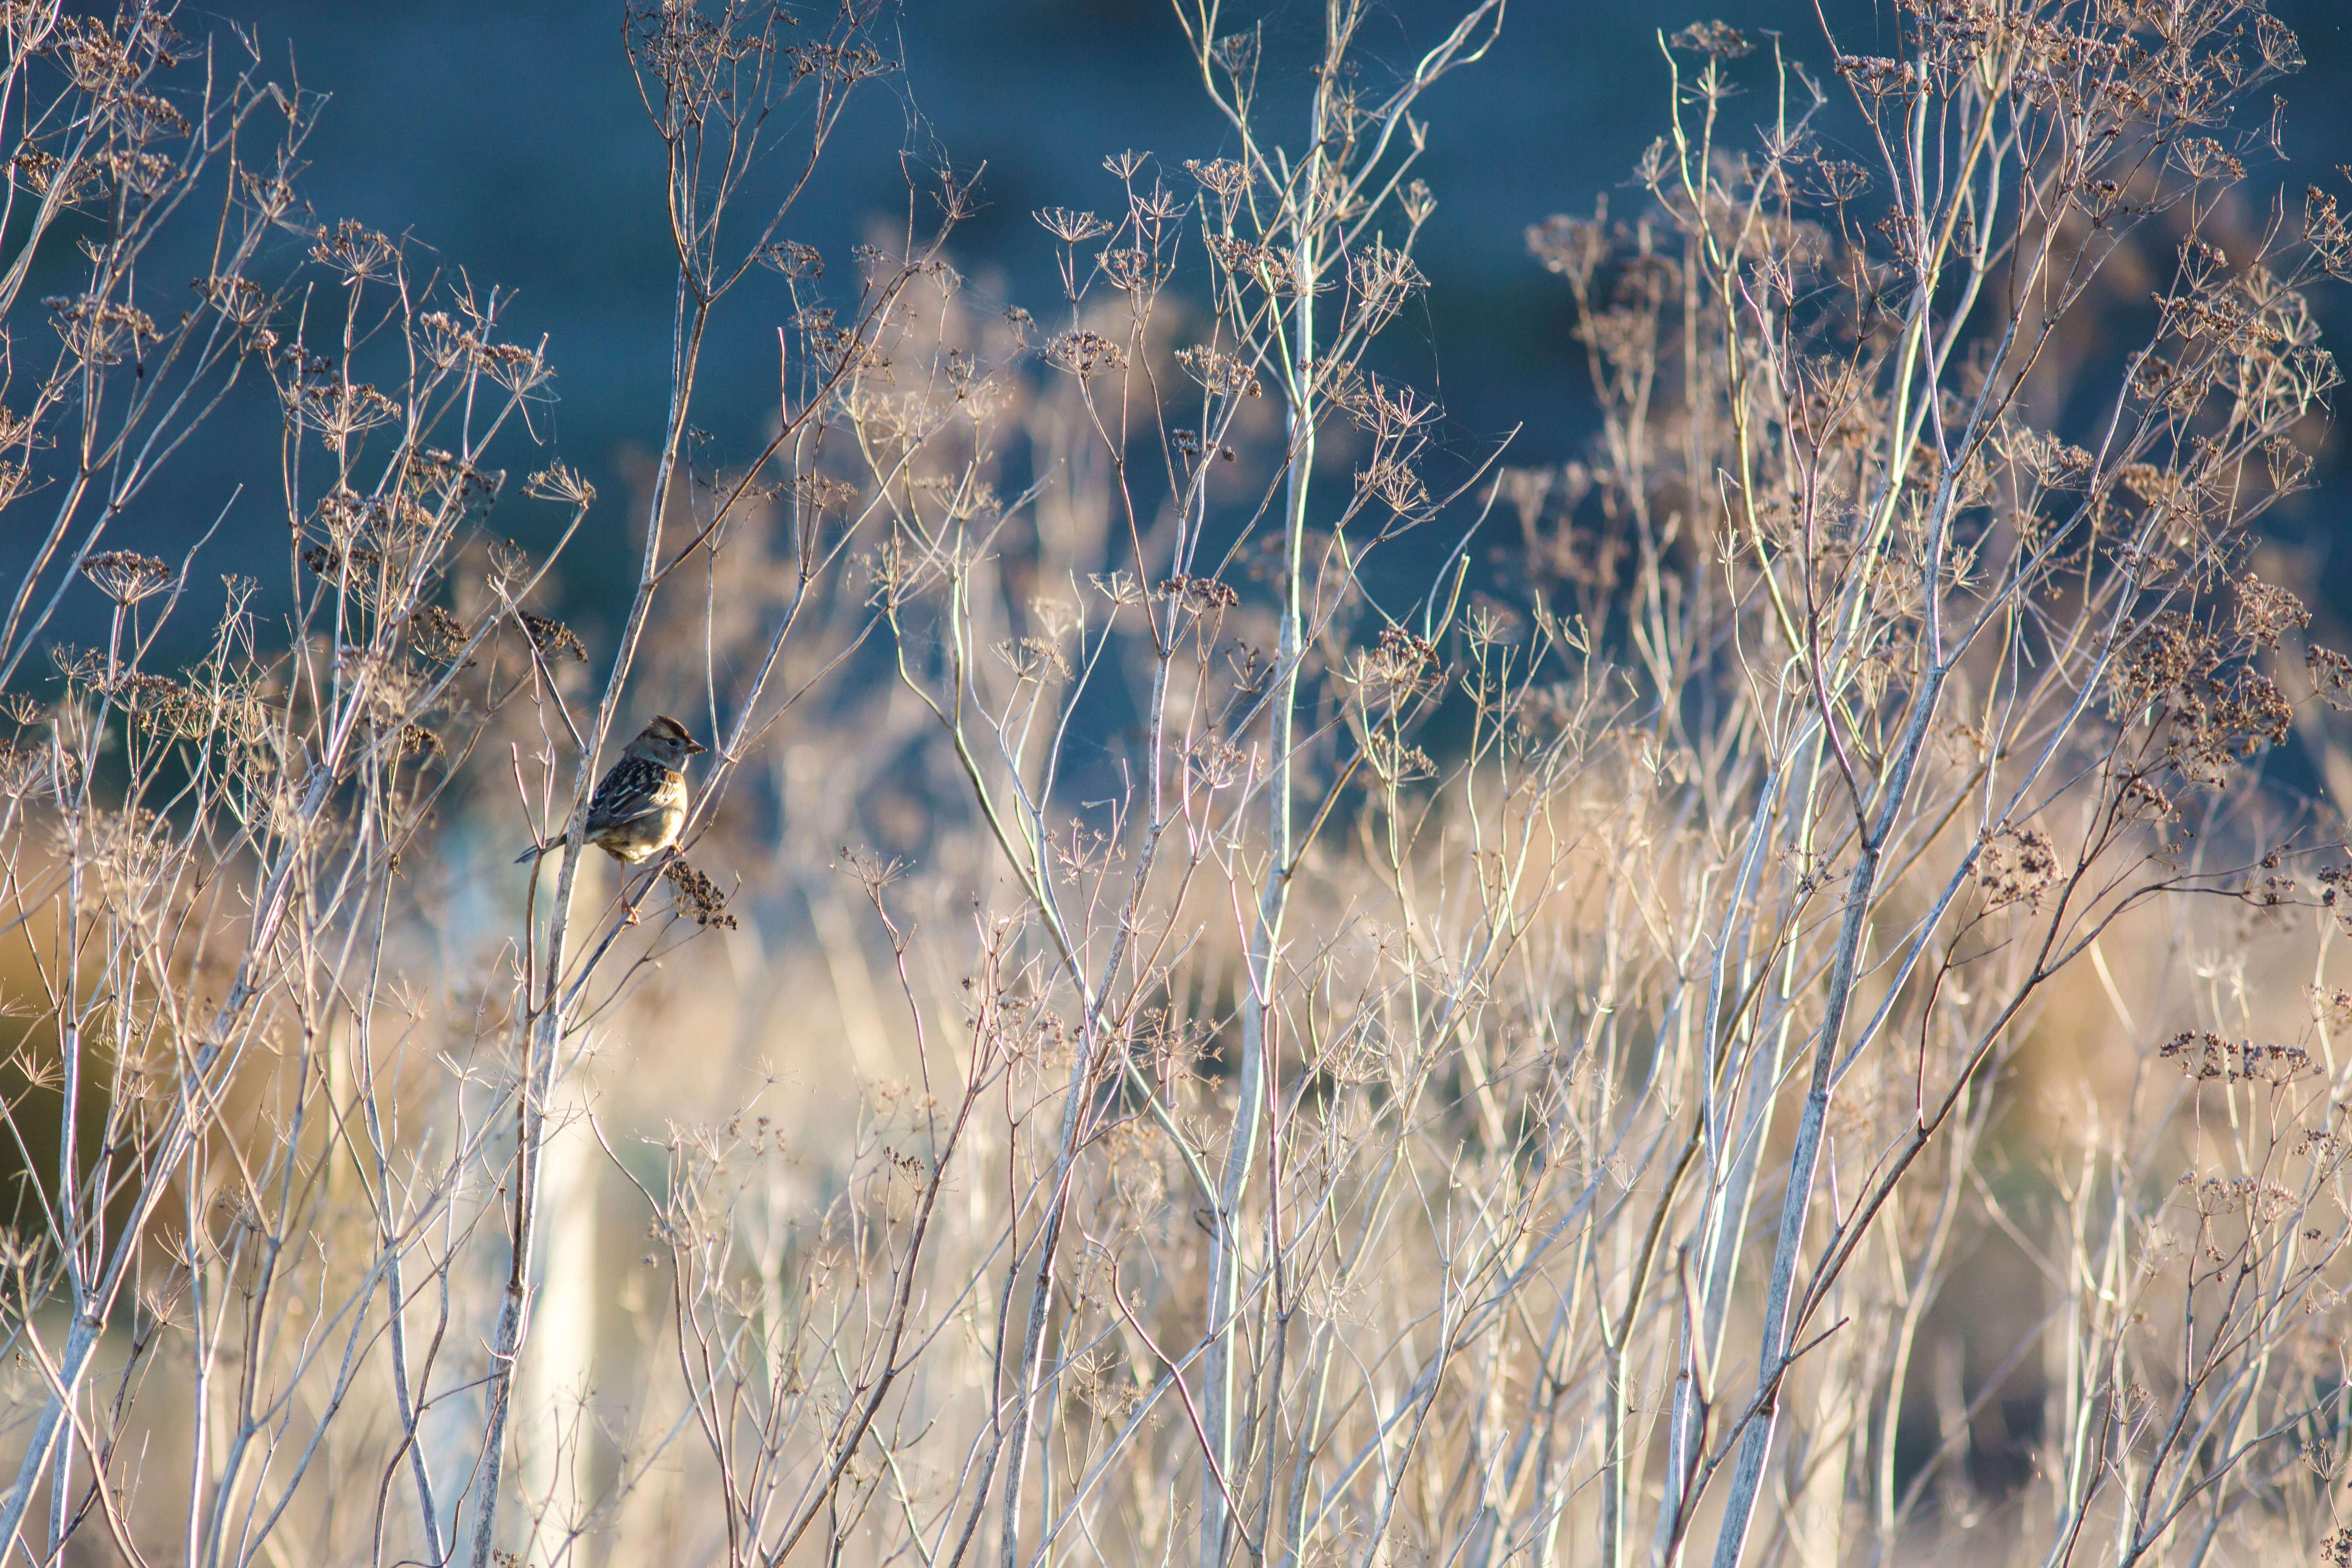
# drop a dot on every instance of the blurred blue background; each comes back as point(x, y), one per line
point(508, 135)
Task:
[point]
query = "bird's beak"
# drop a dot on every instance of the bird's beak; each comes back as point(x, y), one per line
point(693, 745)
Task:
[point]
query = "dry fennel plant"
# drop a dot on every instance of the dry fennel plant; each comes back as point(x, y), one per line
point(1507, 1067)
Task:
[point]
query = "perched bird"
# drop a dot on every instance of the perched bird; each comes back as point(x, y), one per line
point(640, 803)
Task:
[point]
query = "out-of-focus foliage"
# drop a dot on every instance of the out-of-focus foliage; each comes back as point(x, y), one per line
point(1250, 977)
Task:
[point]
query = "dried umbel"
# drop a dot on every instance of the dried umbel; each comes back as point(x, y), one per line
point(1033, 658)
point(2257, 1202)
point(2017, 866)
point(1202, 596)
point(417, 740)
point(126, 576)
point(1084, 354)
point(2208, 1057)
point(22, 768)
point(1716, 38)
point(1071, 228)
point(2265, 612)
point(553, 638)
point(101, 330)
point(360, 254)
point(337, 410)
point(2331, 675)
point(1571, 246)
point(435, 633)
point(699, 897)
point(2184, 682)
point(1214, 764)
point(1395, 761)
point(1223, 178)
point(1260, 266)
point(793, 259)
point(159, 703)
point(1223, 374)
point(351, 567)
point(1398, 663)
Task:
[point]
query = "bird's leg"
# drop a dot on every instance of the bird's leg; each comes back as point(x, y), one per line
point(629, 915)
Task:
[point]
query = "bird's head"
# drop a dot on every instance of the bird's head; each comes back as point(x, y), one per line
point(664, 740)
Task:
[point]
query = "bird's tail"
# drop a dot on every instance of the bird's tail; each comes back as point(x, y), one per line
point(533, 853)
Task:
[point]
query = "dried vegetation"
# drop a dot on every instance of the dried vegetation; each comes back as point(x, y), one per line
point(1247, 984)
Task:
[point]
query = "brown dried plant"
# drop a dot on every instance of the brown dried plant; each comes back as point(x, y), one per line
point(1537, 1065)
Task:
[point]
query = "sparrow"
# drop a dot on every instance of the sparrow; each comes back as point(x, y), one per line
point(640, 802)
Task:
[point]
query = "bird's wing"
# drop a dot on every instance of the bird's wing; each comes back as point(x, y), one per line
point(633, 790)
